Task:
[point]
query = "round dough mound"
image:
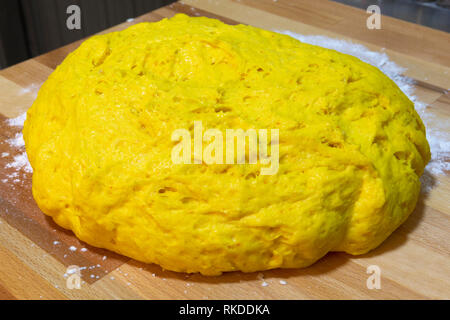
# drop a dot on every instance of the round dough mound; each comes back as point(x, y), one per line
point(351, 148)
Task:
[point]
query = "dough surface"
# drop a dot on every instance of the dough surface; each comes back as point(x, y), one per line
point(98, 136)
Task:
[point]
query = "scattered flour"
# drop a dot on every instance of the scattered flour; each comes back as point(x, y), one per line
point(260, 276)
point(18, 121)
point(19, 161)
point(72, 270)
point(31, 89)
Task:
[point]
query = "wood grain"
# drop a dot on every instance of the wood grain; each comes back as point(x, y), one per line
point(414, 260)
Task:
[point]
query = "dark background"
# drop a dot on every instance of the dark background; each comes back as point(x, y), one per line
point(32, 27)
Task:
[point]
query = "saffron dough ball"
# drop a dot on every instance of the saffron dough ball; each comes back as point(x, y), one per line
point(98, 136)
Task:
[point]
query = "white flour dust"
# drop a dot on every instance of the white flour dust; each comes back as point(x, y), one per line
point(437, 133)
point(31, 89)
point(19, 161)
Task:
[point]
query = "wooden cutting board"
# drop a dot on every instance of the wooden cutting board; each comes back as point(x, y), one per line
point(414, 261)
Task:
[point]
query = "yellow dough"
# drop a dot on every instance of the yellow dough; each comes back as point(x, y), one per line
point(98, 136)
